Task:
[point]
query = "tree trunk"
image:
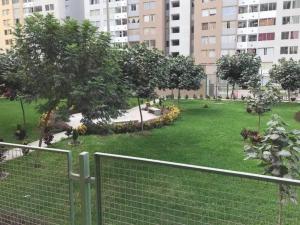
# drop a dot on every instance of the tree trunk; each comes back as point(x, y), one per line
point(289, 94)
point(23, 113)
point(280, 206)
point(141, 114)
point(178, 97)
point(232, 91)
point(259, 122)
point(227, 91)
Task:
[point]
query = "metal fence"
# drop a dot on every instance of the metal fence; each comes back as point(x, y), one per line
point(141, 191)
point(35, 188)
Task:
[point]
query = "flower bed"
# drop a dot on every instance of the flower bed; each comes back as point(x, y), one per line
point(170, 114)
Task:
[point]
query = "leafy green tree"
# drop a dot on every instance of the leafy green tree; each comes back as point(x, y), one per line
point(278, 150)
point(240, 69)
point(184, 74)
point(68, 64)
point(143, 70)
point(263, 100)
point(287, 74)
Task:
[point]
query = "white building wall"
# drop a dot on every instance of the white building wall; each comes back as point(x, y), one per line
point(184, 24)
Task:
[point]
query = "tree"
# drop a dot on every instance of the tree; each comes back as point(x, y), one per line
point(240, 69)
point(68, 64)
point(287, 74)
point(143, 70)
point(263, 100)
point(183, 74)
point(278, 150)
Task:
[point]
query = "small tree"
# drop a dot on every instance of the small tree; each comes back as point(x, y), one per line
point(239, 69)
point(287, 74)
point(183, 74)
point(143, 69)
point(2, 158)
point(263, 100)
point(278, 150)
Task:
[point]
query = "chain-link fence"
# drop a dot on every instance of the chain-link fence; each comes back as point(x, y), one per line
point(137, 191)
point(34, 186)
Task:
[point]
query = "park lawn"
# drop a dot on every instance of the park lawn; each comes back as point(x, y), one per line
point(206, 137)
point(11, 115)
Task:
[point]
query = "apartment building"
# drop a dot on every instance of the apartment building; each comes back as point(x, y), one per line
point(203, 29)
point(13, 12)
point(267, 28)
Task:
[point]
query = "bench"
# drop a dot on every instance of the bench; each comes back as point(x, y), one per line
point(155, 111)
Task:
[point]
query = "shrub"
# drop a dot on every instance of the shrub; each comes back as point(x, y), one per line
point(167, 118)
point(205, 106)
point(186, 97)
point(82, 129)
point(20, 132)
point(293, 99)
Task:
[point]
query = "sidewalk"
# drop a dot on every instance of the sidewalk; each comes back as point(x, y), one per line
point(130, 115)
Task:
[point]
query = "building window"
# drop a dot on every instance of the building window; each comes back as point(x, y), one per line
point(149, 18)
point(95, 12)
point(294, 34)
point(229, 11)
point(228, 39)
point(175, 4)
point(175, 17)
point(133, 7)
point(242, 24)
point(253, 23)
point(209, 12)
point(5, 2)
point(94, 2)
point(267, 22)
point(266, 36)
point(241, 38)
point(49, 7)
point(253, 8)
point(252, 37)
point(291, 4)
point(175, 30)
point(285, 35)
point(294, 50)
point(243, 9)
point(284, 50)
point(265, 51)
point(149, 5)
point(175, 42)
point(150, 43)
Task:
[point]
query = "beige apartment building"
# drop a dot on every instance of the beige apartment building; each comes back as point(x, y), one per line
point(203, 29)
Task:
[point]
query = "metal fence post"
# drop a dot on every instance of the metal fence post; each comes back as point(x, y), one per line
point(98, 189)
point(71, 190)
point(85, 188)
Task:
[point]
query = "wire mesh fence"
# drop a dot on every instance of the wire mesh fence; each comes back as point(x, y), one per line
point(34, 187)
point(138, 192)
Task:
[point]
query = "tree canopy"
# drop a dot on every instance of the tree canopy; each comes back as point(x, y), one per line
point(287, 74)
point(240, 69)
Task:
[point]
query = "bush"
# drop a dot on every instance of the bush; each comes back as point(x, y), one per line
point(293, 99)
point(186, 97)
point(20, 132)
point(205, 106)
point(166, 119)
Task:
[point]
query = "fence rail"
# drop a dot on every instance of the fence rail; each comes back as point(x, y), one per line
point(142, 191)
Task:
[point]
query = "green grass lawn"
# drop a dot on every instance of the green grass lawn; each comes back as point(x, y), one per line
point(11, 115)
point(142, 194)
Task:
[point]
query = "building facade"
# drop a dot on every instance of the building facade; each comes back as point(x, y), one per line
point(203, 29)
point(13, 12)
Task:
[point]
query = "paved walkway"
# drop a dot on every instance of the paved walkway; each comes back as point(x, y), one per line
point(130, 115)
